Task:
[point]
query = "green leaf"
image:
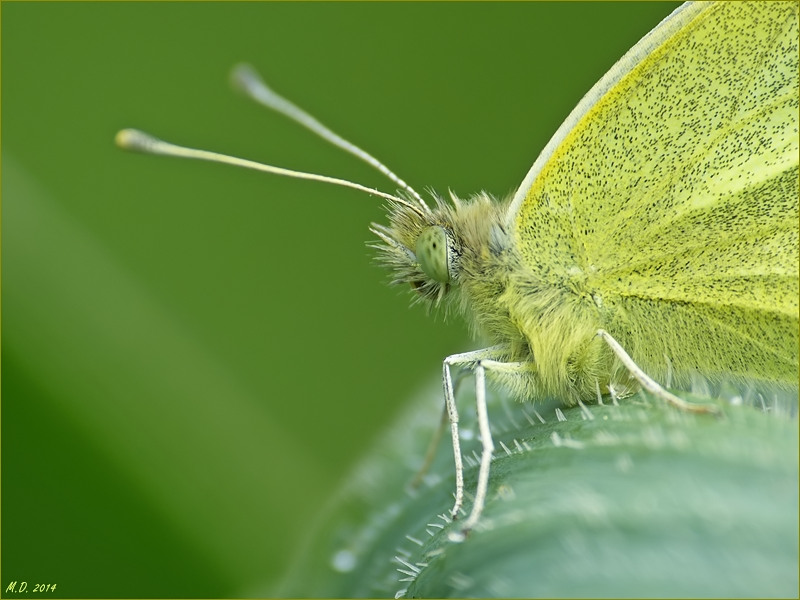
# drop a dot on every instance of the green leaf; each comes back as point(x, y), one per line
point(627, 500)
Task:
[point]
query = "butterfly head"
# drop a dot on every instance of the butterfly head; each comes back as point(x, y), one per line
point(421, 248)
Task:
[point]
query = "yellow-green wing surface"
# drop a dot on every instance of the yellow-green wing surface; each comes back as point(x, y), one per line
point(670, 195)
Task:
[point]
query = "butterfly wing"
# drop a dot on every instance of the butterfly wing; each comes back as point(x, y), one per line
point(671, 193)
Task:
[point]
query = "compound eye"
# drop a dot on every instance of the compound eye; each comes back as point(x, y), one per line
point(432, 253)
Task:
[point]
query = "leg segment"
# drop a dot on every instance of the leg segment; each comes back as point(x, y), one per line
point(479, 361)
point(648, 383)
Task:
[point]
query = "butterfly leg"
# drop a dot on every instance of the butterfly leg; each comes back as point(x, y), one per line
point(433, 445)
point(486, 452)
point(478, 361)
point(648, 383)
point(452, 413)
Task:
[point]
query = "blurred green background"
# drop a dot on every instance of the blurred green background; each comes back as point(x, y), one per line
point(193, 355)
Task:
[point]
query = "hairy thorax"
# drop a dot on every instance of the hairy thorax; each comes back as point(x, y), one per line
point(544, 319)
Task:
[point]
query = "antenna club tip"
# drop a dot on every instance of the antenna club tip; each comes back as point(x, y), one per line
point(245, 79)
point(134, 139)
point(241, 75)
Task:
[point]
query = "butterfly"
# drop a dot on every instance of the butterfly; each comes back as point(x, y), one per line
point(656, 234)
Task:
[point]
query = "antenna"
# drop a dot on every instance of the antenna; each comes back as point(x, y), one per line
point(139, 141)
point(247, 80)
